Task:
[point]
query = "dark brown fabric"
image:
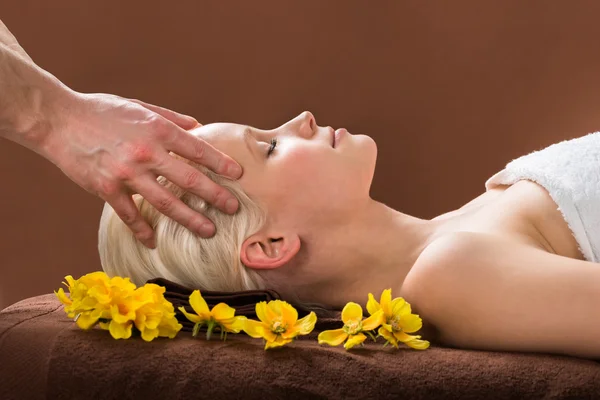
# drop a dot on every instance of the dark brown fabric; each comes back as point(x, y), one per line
point(44, 355)
point(244, 303)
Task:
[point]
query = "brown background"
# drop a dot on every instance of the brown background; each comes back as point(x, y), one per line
point(451, 91)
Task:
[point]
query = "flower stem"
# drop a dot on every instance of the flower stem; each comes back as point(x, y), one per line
point(197, 328)
point(211, 326)
point(371, 334)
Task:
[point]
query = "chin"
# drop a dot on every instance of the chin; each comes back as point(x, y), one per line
point(371, 154)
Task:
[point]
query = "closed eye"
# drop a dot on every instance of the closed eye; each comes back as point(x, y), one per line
point(272, 146)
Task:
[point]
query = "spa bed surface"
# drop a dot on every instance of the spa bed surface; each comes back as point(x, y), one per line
point(43, 354)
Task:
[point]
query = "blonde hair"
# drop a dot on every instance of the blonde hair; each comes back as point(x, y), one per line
point(180, 255)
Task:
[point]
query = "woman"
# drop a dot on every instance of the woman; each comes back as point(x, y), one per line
point(502, 272)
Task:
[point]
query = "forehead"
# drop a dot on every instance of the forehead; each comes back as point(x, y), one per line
point(220, 130)
point(225, 137)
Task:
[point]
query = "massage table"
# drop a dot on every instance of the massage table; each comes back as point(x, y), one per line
point(44, 355)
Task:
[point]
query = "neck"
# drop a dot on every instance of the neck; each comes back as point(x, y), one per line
point(372, 251)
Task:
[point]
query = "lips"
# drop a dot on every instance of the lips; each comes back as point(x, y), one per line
point(332, 134)
point(336, 135)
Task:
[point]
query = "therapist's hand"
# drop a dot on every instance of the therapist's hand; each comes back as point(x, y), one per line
point(114, 147)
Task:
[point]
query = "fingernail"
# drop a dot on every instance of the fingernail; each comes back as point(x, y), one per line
point(231, 206)
point(234, 170)
point(206, 230)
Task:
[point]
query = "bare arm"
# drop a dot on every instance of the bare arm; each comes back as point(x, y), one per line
point(28, 94)
point(111, 146)
point(489, 293)
point(10, 41)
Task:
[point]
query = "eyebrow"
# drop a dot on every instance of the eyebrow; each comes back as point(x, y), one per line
point(250, 139)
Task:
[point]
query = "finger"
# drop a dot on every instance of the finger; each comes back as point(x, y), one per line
point(181, 120)
point(165, 202)
point(126, 209)
point(192, 180)
point(195, 149)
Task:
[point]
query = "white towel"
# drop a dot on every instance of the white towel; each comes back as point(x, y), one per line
point(570, 172)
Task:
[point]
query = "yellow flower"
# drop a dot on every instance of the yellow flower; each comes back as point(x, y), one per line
point(399, 320)
point(89, 298)
point(279, 323)
point(221, 315)
point(118, 306)
point(156, 317)
point(354, 325)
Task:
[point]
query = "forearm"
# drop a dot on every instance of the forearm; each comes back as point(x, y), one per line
point(29, 96)
point(10, 41)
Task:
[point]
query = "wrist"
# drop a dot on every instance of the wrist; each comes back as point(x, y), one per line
point(54, 105)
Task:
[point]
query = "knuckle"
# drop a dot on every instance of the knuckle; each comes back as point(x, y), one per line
point(161, 130)
point(199, 150)
point(108, 189)
point(196, 223)
point(144, 235)
point(139, 152)
point(128, 217)
point(191, 179)
point(165, 204)
point(220, 195)
point(123, 172)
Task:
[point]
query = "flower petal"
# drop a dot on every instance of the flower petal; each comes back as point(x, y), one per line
point(275, 306)
point(352, 311)
point(418, 344)
point(289, 315)
point(265, 313)
point(306, 324)
point(120, 331)
point(199, 304)
point(372, 305)
point(387, 327)
point(277, 342)
point(373, 321)
point(400, 306)
point(355, 340)
point(253, 328)
point(192, 317)
point(403, 337)
point(333, 337)
point(86, 320)
point(149, 334)
point(235, 324)
point(387, 335)
point(410, 323)
point(385, 302)
point(222, 312)
point(62, 297)
point(70, 282)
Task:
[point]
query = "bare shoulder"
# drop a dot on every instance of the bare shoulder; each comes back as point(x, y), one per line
point(487, 292)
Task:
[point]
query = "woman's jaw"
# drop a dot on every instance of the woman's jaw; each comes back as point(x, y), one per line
point(372, 250)
point(326, 241)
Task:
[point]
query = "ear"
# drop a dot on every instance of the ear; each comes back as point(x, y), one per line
point(269, 251)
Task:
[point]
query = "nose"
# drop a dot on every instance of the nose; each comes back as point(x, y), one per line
point(305, 124)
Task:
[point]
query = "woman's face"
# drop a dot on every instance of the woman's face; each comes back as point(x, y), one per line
point(295, 171)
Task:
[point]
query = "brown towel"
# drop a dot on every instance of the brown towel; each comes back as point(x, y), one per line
point(44, 355)
point(244, 303)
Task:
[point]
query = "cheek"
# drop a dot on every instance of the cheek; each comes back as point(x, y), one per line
point(302, 169)
point(311, 179)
